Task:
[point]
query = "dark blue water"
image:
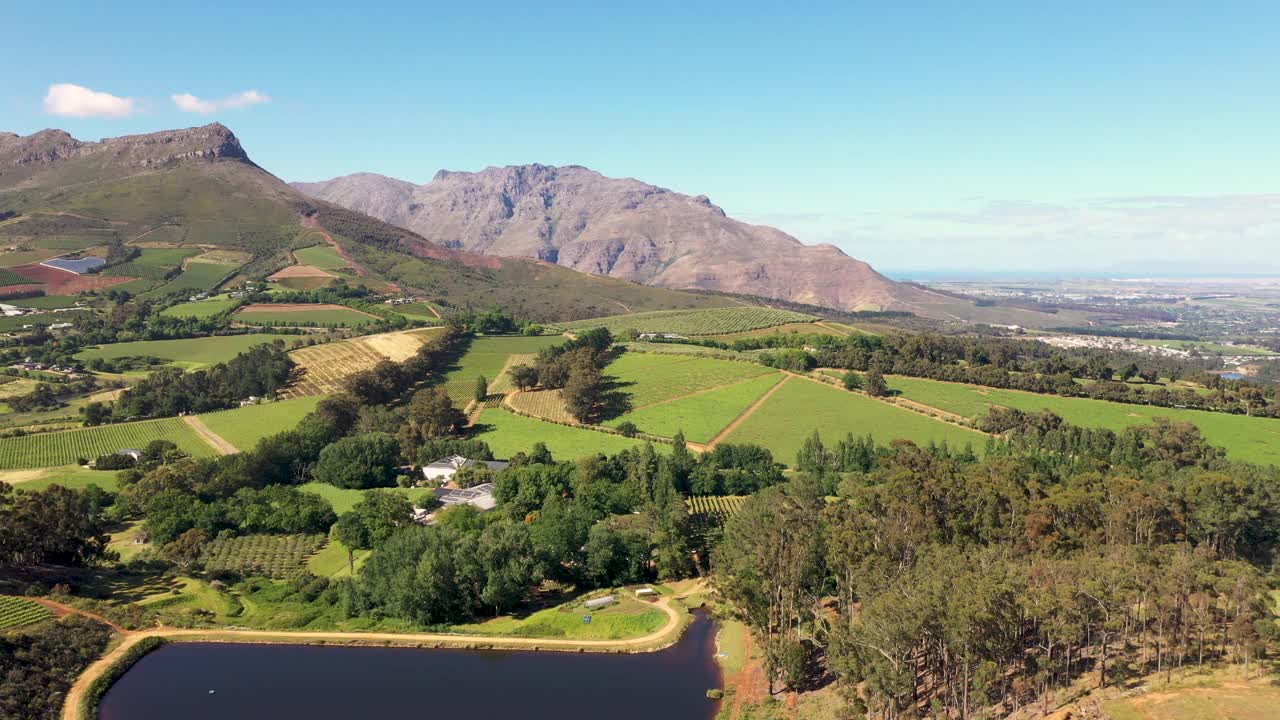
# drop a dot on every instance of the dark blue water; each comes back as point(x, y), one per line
point(274, 682)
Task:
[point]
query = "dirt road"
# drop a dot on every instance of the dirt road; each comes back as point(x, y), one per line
point(222, 446)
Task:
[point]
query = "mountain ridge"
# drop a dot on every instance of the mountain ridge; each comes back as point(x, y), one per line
point(619, 227)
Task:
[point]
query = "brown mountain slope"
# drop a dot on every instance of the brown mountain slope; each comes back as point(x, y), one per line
point(622, 228)
point(202, 179)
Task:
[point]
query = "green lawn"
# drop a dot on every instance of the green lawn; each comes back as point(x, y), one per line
point(318, 317)
point(343, 499)
point(331, 561)
point(1246, 438)
point(486, 356)
point(701, 416)
point(653, 378)
point(509, 434)
point(321, 256)
point(202, 309)
point(802, 406)
point(65, 447)
point(625, 619)
point(189, 352)
point(75, 477)
point(244, 427)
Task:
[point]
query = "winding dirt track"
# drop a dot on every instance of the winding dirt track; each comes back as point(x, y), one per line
point(655, 640)
point(748, 412)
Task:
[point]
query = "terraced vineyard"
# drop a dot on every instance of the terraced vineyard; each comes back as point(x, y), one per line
point(325, 367)
point(716, 321)
point(274, 556)
point(68, 446)
point(16, 612)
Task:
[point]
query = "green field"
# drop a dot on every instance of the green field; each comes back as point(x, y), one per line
point(202, 309)
point(343, 499)
point(508, 434)
point(700, 416)
point(18, 612)
point(653, 378)
point(166, 257)
point(629, 617)
point(188, 352)
point(1245, 438)
point(487, 356)
point(244, 427)
point(65, 447)
point(197, 277)
point(717, 321)
point(802, 406)
point(45, 302)
point(75, 477)
point(414, 310)
point(1207, 348)
point(321, 256)
point(318, 317)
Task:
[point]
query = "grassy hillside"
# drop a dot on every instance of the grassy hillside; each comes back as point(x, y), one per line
point(190, 353)
point(719, 321)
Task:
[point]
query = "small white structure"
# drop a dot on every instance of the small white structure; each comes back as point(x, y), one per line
point(480, 497)
point(646, 592)
point(442, 471)
point(600, 602)
point(135, 454)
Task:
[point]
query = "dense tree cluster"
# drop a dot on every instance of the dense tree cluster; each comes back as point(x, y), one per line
point(599, 522)
point(576, 367)
point(39, 665)
point(53, 526)
point(257, 372)
point(963, 583)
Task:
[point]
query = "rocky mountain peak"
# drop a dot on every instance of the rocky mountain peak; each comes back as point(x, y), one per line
point(207, 142)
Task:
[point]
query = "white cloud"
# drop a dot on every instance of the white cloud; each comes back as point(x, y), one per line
point(187, 102)
point(76, 101)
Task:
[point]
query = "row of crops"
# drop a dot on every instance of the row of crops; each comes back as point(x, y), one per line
point(18, 612)
point(720, 507)
point(274, 556)
point(716, 321)
point(69, 446)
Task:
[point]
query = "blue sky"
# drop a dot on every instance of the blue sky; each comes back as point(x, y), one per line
point(927, 135)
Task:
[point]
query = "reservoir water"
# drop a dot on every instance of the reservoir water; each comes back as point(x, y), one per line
point(261, 682)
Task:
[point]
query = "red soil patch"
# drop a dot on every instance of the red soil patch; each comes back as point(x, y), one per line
point(298, 307)
point(424, 249)
point(63, 282)
point(297, 271)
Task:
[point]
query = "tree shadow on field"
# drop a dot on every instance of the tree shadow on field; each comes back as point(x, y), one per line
point(614, 400)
